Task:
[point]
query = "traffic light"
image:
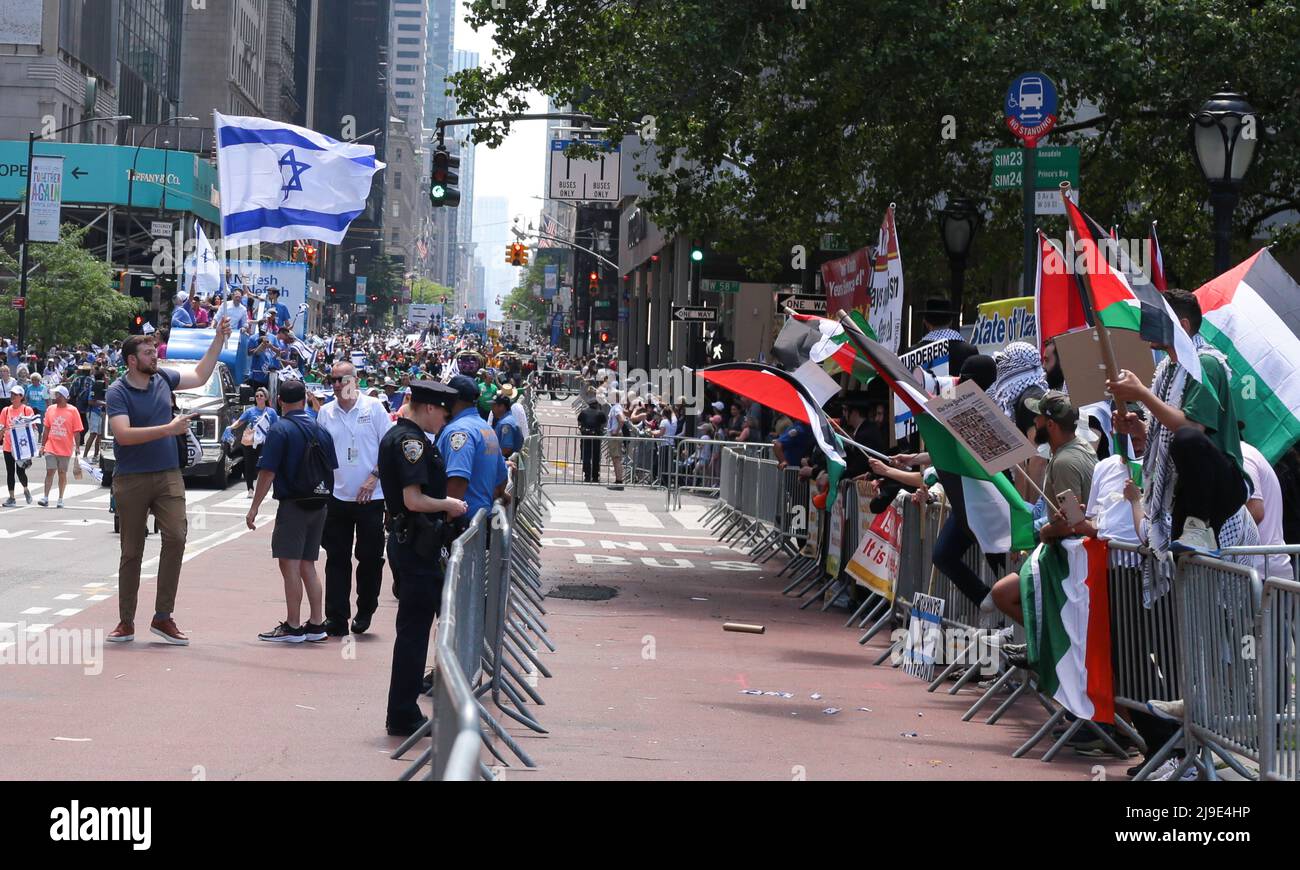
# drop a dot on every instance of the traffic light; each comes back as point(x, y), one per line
point(442, 186)
point(122, 282)
point(604, 337)
point(311, 255)
point(697, 252)
point(593, 282)
point(523, 255)
point(510, 254)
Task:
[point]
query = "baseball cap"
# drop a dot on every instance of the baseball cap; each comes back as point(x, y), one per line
point(718, 406)
point(16, 389)
point(1054, 405)
point(61, 390)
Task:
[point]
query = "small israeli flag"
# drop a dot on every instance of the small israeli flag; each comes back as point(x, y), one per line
point(201, 267)
point(280, 182)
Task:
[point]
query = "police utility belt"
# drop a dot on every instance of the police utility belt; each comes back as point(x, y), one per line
point(425, 534)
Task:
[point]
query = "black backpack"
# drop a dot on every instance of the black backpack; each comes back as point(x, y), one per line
point(313, 480)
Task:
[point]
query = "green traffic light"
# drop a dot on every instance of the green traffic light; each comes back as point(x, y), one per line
point(697, 254)
point(438, 191)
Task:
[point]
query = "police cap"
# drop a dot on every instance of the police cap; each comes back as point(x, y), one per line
point(464, 387)
point(433, 393)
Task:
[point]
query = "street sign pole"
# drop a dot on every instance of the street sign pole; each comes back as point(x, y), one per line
point(22, 253)
point(1029, 178)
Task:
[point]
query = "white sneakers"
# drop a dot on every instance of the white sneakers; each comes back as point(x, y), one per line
point(1197, 535)
point(1165, 772)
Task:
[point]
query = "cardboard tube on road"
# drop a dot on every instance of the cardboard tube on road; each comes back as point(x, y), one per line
point(745, 627)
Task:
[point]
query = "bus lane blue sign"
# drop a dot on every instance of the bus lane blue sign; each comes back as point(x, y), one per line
point(1030, 107)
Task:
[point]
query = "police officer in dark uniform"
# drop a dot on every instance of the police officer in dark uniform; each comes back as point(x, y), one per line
point(591, 421)
point(415, 492)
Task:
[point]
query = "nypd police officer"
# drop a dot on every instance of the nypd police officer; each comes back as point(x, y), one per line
point(414, 482)
point(476, 470)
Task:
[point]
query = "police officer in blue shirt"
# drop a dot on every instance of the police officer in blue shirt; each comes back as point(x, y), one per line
point(508, 435)
point(476, 470)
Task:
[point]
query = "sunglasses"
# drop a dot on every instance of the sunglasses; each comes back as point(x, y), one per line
point(338, 380)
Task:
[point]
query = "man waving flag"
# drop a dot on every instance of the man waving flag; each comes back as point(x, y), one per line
point(280, 182)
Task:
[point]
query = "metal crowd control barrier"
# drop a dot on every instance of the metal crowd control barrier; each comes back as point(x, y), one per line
point(491, 616)
point(1279, 746)
point(1219, 605)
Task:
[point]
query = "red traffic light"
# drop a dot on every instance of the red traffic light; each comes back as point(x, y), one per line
point(604, 338)
point(593, 276)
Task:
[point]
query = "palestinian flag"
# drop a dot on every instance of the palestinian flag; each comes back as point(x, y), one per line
point(1064, 592)
point(1056, 294)
point(1120, 295)
point(995, 512)
point(1252, 314)
point(1156, 260)
point(833, 345)
point(786, 394)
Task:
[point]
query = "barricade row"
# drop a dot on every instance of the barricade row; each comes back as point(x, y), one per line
point(1223, 641)
point(490, 632)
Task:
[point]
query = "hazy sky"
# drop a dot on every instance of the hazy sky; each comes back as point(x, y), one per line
point(516, 169)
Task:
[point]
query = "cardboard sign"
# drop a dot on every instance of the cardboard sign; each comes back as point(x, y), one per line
point(924, 632)
point(979, 424)
point(875, 564)
point(1085, 374)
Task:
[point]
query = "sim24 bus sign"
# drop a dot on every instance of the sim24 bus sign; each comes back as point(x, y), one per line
point(1030, 107)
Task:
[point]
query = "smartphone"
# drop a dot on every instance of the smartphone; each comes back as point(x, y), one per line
point(1070, 508)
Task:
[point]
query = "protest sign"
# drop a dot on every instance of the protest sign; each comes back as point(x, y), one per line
point(978, 423)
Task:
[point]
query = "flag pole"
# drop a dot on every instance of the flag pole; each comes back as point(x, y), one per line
point(844, 436)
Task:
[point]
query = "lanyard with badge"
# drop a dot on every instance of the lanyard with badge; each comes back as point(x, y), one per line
point(353, 454)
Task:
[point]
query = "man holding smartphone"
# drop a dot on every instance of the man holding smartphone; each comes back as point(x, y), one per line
point(1066, 485)
point(147, 476)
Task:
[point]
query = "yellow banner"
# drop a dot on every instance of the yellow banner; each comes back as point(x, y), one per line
point(1003, 321)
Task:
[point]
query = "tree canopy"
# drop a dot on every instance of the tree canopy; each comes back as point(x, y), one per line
point(774, 121)
point(70, 297)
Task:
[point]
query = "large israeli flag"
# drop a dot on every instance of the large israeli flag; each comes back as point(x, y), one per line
point(280, 182)
point(201, 268)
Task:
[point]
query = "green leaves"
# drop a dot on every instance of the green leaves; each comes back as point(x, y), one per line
point(837, 109)
point(70, 299)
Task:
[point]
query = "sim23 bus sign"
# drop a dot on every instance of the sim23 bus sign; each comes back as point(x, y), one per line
point(1030, 107)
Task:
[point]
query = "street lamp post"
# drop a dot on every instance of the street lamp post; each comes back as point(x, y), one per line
point(27, 207)
point(958, 222)
point(1225, 134)
point(130, 182)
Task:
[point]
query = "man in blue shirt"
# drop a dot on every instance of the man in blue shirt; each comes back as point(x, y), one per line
point(265, 359)
point(299, 516)
point(507, 431)
point(476, 470)
point(274, 308)
point(793, 444)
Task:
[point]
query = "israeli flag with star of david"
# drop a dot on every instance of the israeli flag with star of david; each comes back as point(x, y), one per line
point(280, 182)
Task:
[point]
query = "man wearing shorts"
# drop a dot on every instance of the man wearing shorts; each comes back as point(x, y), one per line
point(299, 517)
point(59, 442)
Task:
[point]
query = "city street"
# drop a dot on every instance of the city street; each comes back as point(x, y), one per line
point(63, 561)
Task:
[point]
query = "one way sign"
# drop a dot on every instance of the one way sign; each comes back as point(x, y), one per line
point(695, 314)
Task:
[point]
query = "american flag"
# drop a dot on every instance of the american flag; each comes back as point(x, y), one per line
point(550, 227)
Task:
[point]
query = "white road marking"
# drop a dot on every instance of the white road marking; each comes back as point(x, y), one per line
point(575, 512)
point(634, 516)
point(688, 516)
point(34, 611)
point(68, 611)
point(66, 596)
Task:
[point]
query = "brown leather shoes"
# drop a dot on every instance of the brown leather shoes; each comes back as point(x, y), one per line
point(124, 633)
point(167, 630)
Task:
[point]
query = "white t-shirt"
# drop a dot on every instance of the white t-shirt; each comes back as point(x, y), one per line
point(615, 425)
point(356, 435)
point(1111, 513)
point(1268, 490)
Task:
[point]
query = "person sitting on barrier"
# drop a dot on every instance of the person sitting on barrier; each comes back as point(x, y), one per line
point(1109, 516)
point(1070, 470)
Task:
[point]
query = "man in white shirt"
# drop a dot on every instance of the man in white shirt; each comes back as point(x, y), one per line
point(356, 423)
point(1265, 506)
point(235, 309)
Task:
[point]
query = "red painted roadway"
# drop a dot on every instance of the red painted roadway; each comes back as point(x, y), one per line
point(647, 686)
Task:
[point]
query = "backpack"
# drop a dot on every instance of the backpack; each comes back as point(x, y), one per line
point(313, 480)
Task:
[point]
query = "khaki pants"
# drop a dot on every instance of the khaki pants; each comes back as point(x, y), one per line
point(135, 495)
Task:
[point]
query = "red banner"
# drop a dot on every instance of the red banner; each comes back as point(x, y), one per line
point(848, 281)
